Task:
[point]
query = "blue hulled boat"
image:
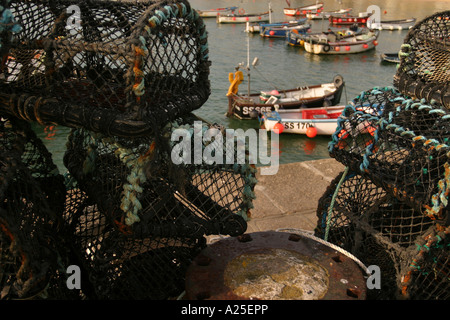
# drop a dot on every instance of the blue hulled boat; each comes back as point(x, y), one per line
point(282, 31)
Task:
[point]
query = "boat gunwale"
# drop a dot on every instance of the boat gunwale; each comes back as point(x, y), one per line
point(239, 99)
point(342, 43)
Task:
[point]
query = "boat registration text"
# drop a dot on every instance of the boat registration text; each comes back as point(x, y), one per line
point(298, 125)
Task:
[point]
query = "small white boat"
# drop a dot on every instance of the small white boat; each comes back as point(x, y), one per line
point(403, 24)
point(390, 57)
point(323, 120)
point(255, 27)
point(327, 14)
point(213, 13)
point(243, 17)
point(329, 44)
point(304, 10)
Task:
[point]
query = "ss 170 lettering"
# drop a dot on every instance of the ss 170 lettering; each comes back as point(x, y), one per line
point(298, 125)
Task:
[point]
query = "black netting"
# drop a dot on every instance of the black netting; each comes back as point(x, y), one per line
point(136, 215)
point(389, 207)
point(33, 258)
point(425, 60)
point(399, 143)
point(116, 67)
point(375, 226)
point(124, 76)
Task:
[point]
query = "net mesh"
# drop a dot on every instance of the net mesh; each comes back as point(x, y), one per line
point(123, 75)
point(115, 67)
point(138, 219)
point(33, 257)
point(389, 208)
point(425, 60)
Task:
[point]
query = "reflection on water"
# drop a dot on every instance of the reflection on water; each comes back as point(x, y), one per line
point(288, 67)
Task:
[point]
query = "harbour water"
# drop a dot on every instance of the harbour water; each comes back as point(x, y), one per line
point(284, 66)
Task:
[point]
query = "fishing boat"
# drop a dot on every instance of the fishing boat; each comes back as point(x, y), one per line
point(390, 57)
point(304, 10)
point(403, 24)
point(294, 38)
point(251, 105)
point(309, 121)
point(361, 19)
point(331, 44)
point(326, 14)
point(213, 13)
point(255, 27)
point(281, 31)
point(243, 17)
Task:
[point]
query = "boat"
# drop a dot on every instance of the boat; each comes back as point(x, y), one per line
point(309, 121)
point(255, 27)
point(403, 24)
point(331, 44)
point(243, 17)
point(361, 19)
point(251, 105)
point(281, 31)
point(390, 57)
point(213, 13)
point(319, 15)
point(294, 38)
point(304, 10)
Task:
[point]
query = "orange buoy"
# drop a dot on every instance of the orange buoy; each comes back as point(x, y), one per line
point(278, 128)
point(311, 132)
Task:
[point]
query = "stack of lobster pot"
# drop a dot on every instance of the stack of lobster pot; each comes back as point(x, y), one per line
point(122, 75)
point(389, 207)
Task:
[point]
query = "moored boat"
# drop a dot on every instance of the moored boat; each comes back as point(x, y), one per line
point(326, 14)
point(309, 121)
point(403, 24)
point(250, 106)
point(294, 38)
point(281, 31)
point(255, 27)
point(361, 19)
point(304, 10)
point(212, 13)
point(330, 44)
point(390, 57)
point(243, 17)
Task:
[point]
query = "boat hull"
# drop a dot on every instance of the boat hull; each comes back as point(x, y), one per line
point(281, 32)
point(213, 13)
point(246, 107)
point(239, 18)
point(256, 27)
point(338, 20)
point(302, 10)
point(341, 47)
point(390, 57)
point(295, 122)
point(327, 15)
point(394, 25)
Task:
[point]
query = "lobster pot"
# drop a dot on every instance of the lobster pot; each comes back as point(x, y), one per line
point(32, 194)
point(138, 218)
point(118, 264)
point(362, 218)
point(402, 149)
point(121, 68)
point(424, 60)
